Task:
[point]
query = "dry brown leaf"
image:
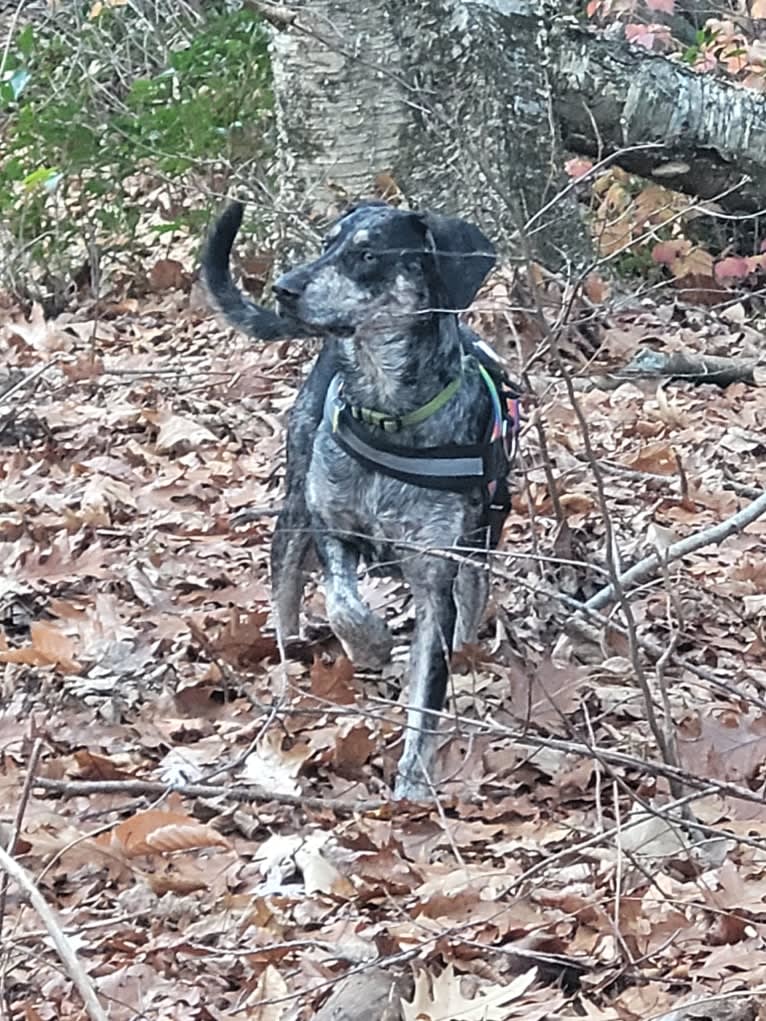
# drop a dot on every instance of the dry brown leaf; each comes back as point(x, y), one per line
point(439, 998)
point(657, 458)
point(319, 874)
point(40, 333)
point(547, 693)
point(726, 745)
point(333, 682)
point(354, 744)
point(282, 854)
point(92, 766)
point(154, 831)
point(167, 274)
point(49, 647)
point(179, 432)
point(274, 767)
point(270, 986)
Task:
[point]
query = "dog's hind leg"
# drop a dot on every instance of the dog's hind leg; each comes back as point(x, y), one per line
point(289, 547)
point(363, 635)
point(431, 581)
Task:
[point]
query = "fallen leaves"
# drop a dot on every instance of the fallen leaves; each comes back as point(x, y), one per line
point(178, 434)
point(274, 767)
point(158, 832)
point(49, 646)
point(439, 998)
point(136, 641)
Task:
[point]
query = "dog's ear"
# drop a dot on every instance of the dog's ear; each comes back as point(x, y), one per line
point(464, 256)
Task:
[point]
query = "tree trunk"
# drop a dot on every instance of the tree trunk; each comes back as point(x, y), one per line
point(466, 103)
point(339, 111)
point(449, 99)
point(482, 140)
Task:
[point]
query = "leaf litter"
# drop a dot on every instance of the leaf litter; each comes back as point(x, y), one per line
point(136, 645)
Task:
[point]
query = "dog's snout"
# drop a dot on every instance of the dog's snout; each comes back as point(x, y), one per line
point(288, 288)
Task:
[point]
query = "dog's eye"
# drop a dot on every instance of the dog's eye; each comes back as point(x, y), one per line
point(368, 256)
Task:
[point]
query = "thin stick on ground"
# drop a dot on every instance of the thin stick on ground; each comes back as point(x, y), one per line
point(21, 809)
point(243, 793)
point(60, 941)
point(648, 566)
point(251, 794)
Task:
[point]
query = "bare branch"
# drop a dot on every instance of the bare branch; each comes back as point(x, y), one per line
point(59, 939)
point(648, 566)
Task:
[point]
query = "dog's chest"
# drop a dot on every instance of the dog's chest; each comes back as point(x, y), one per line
point(381, 511)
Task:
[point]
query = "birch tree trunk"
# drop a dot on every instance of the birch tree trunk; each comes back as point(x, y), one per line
point(339, 108)
point(448, 98)
point(466, 103)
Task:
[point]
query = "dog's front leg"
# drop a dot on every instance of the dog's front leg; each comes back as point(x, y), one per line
point(292, 535)
point(471, 592)
point(435, 613)
point(364, 636)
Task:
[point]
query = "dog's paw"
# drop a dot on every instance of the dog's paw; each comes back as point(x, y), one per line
point(369, 652)
point(365, 638)
point(408, 788)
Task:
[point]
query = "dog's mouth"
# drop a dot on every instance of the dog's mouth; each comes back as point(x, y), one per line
point(333, 327)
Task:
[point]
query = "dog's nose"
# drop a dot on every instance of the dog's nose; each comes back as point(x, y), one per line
point(287, 289)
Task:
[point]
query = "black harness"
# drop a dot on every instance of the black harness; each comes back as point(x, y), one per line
point(453, 467)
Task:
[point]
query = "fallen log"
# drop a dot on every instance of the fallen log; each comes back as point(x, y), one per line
point(693, 368)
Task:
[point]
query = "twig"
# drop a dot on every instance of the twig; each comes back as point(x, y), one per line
point(667, 750)
point(21, 809)
point(60, 941)
point(246, 794)
point(241, 793)
point(646, 567)
point(30, 377)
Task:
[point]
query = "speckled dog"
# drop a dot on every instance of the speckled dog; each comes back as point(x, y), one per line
point(385, 438)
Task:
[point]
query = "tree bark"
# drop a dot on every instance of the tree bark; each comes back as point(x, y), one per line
point(339, 107)
point(610, 96)
point(448, 99)
point(482, 140)
point(467, 104)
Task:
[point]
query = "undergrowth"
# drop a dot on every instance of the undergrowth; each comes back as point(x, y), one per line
point(117, 121)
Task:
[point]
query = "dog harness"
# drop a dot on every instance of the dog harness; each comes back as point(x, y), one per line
point(453, 467)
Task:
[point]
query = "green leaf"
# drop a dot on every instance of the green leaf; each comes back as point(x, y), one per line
point(18, 81)
point(44, 177)
point(26, 41)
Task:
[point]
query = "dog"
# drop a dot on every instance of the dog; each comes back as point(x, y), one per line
point(399, 443)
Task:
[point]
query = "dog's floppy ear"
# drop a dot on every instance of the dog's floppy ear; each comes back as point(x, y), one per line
point(464, 256)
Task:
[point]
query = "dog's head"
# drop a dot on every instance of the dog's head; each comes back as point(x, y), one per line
point(383, 266)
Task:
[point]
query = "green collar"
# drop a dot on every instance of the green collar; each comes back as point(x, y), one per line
point(392, 423)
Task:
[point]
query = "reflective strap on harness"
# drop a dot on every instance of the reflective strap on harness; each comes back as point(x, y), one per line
point(455, 467)
point(452, 467)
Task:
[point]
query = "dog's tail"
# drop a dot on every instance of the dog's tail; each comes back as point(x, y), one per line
point(239, 310)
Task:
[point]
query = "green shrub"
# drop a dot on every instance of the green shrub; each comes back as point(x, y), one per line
point(112, 128)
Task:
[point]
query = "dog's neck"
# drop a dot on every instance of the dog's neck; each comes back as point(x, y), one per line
point(399, 369)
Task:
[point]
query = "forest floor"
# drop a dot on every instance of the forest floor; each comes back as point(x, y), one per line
point(551, 876)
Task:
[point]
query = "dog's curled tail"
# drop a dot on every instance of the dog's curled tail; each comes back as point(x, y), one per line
point(239, 310)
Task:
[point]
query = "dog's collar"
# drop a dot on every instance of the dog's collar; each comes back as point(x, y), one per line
point(394, 423)
point(452, 466)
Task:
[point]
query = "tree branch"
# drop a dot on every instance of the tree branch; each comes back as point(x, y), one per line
point(245, 794)
point(646, 568)
point(610, 95)
point(59, 939)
